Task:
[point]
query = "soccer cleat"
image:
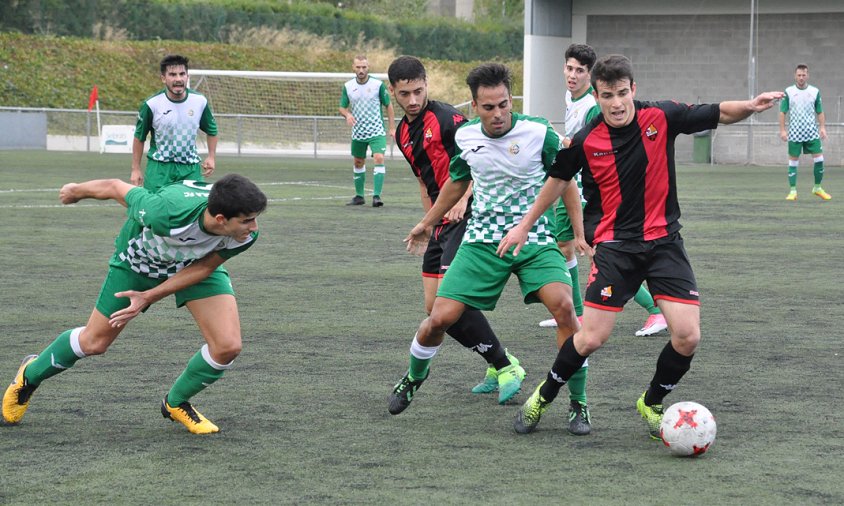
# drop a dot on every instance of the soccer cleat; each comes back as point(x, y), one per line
point(16, 398)
point(792, 195)
point(490, 382)
point(652, 416)
point(403, 393)
point(510, 381)
point(821, 193)
point(189, 417)
point(655, 323)
point(527, 418)
point(548, 324)
point(580, 423)
point(357, 200)
point(377, 202)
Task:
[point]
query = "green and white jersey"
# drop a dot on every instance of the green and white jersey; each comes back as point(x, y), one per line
point(508, 172)
point(174, 126)
point(164, 232)
point(803, 107)
point(578, 113)
point(365, 101)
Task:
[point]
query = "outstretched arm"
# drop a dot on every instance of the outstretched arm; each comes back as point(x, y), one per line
point(553, 189)
point(99, 189)
point(737, 110)
point(451, 192)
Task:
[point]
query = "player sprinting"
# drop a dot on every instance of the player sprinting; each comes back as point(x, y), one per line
point(174, 242)
point(425, 136)
point(806, 128)
point(631, 223)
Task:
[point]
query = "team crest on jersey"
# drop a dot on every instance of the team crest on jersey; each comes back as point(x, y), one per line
point(606, 292)
point(651, 132)
point(514, 149)
point(428, 134)
point(190, 112)
point(457, 118)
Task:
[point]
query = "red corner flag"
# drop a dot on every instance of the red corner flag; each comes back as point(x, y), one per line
point(92, 100)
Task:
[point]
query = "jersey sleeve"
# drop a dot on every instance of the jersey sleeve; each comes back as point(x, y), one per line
point(818, 105)
point(344, 98)
point(231, 252)
point(592, 113)
point(207, 123)
point(552, 144)
point(568, 161)
point(450, 120)
point(144, 124)
point(148, 209)
point(459, 169)
point(784, 103)
point(385, 95)
point(688, 119)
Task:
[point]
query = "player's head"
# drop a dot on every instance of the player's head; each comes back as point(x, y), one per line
point(612, 78)
point(491, 99)
point(577, 68)
point(360, 66)
point(235, 203)
point(409, 84)
point(174, 75)
point(801, 75)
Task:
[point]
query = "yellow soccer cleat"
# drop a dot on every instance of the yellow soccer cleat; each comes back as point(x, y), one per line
point(792, 195)
point(189, 417)
point(822, 194)
point(16, 398)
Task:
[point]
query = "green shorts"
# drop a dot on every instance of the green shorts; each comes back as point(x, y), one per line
point(563, 231)
point(812, 147)
point(377, 144)
point(158, 174)
point(477, 275)
point(121, 279)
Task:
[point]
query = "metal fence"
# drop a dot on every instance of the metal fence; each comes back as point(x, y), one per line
point(328, 136)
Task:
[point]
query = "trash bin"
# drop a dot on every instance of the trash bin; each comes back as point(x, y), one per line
point(702, 148)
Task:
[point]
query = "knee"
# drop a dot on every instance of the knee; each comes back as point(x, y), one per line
point(225, 353)
point(440, 321)
point(379, 159)
point(93, 344)
point(587, 343)
point(686, 341)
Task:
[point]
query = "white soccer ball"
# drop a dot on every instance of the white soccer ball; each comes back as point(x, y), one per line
point(688, 429)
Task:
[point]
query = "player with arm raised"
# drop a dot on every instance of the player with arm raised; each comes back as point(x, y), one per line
point(174, 242)
point(425, 136)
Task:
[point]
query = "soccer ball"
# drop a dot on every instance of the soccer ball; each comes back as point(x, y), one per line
point(688, 429)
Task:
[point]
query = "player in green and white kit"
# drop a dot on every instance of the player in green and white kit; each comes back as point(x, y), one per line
point(360, 104)
point(806, 128)
point(174, 242)
point(506, 155)
point(173, 116)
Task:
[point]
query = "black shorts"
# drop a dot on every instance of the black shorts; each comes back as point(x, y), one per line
point(442, 247)
point(619, 268)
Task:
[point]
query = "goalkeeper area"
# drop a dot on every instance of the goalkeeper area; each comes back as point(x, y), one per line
point(329, 301)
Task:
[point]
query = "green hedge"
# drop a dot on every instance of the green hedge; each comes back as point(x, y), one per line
point(213, 21)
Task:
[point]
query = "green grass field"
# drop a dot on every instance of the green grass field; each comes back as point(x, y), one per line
point(329, 302)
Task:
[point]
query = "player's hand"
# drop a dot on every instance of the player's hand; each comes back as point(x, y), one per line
point(417, 239)
point(765, 101)
point(68, 194)
point(823, 133)
point(784, 136)
point(582, 247)
point(516, 237)
point(457, 212)
point(136, 177)
point(350, 120)
point(138, 301)
point(208, 166)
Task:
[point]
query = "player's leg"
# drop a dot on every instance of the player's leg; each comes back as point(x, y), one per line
point(564, 235)
point(816, 150)
point(656, 321)
point(378, 145)
point(794, 149)
point(359, 172)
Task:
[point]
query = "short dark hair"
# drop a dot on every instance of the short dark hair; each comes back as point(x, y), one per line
point(582, 53)
point(611, 69)
point(234, 195)
point(406, 68)
point(802, 66)
point(173, 60)
point(489, 75)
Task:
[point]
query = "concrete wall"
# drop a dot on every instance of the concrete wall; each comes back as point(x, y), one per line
point(23, 130)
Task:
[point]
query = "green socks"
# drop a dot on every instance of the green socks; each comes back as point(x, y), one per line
point(61, 354)
point(577, 384)
point(643, 298)
point(378, 175)
point(576, 296)
point(360, 179)
point(201, 372)
point(420, 360)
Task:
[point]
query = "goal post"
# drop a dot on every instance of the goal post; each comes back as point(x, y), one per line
point(277, 112)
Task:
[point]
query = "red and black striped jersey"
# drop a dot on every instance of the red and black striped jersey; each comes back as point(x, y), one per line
point(427, 143)
point(628, 173)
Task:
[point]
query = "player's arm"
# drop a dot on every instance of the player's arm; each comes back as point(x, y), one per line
point(822, 125)
point(345, 109)
point(210, 162)
point(737, 110)
point(423, 192)
point(142, 129)
point(189, 276)
point(458, 210)
point(98, 189)
point(450, 193)
point(516, 237)
point(391, 119)
point(783, 132)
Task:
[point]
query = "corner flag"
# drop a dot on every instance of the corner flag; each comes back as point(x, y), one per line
point(92, 100)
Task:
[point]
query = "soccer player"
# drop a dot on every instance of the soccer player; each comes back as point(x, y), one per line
point(360, 104)
point(631, 227)
point(174, 241)
point(506, 156)
point(426, 138)
point(173, 116)
point(806, 128)
point(581, 108)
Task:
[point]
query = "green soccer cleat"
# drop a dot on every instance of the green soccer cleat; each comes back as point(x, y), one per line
point(403, 393)
point(527, 418)
point(580, 423)
point(652, 416)
point(16, 398)
point(490, 382)
point(509, 382)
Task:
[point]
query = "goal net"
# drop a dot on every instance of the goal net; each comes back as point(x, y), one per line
point(277, 112)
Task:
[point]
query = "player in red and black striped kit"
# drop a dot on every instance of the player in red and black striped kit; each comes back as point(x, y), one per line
point(425, 136)
point(631, 226)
